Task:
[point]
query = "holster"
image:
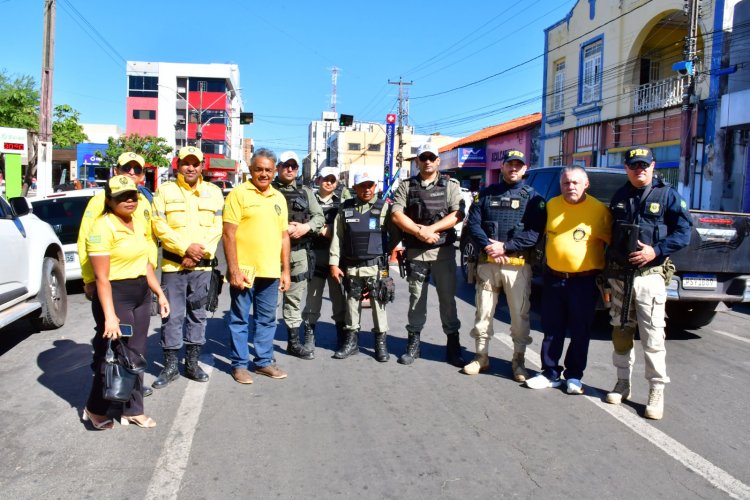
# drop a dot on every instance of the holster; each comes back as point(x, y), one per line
point(418, 270)
point(385, 290)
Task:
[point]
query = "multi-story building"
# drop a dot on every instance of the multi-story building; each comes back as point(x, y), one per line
point(189, 104)
point(609, 83)
point(361, 147)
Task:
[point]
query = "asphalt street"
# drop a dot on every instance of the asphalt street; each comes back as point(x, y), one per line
point(357, 428)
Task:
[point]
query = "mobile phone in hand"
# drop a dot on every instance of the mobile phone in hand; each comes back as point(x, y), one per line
point(126, 330)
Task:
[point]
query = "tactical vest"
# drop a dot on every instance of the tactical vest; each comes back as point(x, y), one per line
point(298, 208)
point(329, 213)
point(363, 235)
point(648, 214)
point(426, 207)
point(502, 214)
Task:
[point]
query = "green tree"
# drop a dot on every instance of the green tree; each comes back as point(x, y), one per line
point(19, 102)
point(153, 149)
point(66, 131)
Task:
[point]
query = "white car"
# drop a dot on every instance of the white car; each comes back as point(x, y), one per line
point(64, 211)
point(32, 271)
point(468, 198)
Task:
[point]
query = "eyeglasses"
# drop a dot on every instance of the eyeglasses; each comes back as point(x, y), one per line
point(331, 179)
point(137, 170)
point(427, 157)
point(290, 166)
point(638, 165)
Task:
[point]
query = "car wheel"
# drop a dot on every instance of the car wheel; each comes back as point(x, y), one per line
point(690, 314)
point(52, 296)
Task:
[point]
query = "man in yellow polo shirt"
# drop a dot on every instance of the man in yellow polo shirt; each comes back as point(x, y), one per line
point(257, 248)
point(187, 220)
point(578, 228)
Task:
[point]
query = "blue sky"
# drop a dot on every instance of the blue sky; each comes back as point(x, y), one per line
point(285, 50)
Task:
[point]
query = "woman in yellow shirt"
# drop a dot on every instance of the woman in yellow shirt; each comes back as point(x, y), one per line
point(118, 246)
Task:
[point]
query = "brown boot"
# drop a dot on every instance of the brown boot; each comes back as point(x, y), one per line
point(519, 369)
point(481, 362)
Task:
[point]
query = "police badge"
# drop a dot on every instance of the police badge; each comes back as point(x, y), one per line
point(654, 208)
point(514, 204)
point(278, 209)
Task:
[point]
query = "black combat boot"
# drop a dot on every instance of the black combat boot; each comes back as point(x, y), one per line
point(381, 347)
point(294, 347)
point(412, 350)
point(453, 353)
point(340, 336)
point(193, 370)
point(170, 371)
point(309, 333)
point(350, 347)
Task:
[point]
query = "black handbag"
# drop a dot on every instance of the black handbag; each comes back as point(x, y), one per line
point(122, 366)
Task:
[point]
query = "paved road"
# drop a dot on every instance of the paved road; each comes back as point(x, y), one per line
point(357, 428)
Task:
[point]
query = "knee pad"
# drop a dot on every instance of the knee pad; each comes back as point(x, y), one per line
point(622, 339)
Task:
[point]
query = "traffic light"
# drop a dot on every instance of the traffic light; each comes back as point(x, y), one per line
point(246, 118)
point(346, 120)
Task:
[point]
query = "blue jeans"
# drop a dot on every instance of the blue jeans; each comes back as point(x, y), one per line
point(262, 296)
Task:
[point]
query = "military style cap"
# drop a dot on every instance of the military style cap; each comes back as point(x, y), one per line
point(514, 154)
point(428, 147)
point(362, 177)
point(639, 153)
point(129, 156)
point(326, 171)
point(190, 151)
point(288, 155)
point(118, 185)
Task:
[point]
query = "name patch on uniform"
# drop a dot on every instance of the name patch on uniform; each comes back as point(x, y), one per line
point(620, 205)
point(351, 220)
point(514, 204)
point(348, 213)
point(654, 208)
point(435, 195)
point(494, 203)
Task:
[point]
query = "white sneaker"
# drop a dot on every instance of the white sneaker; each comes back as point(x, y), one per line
point(541, 382)
point(574, 386)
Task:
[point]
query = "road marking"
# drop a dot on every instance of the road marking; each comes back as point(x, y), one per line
point(172, 463)
point(718, 477)
point(733, 336)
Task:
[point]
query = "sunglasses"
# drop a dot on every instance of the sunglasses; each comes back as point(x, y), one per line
point(290, 166)
point(638, 165)
point(137, 170)
point(330, 179)
point(427, 157)
point(129, 196)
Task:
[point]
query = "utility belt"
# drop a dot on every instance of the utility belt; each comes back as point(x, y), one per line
point(173, 257)
point(376, 261)
point(559, 274)
point(382, 287)
point(619, 272)
point(514, 261)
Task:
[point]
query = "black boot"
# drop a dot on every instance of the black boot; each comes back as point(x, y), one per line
point(170, 371)
point(340, 336)
point(381, 348)
point(453, 351)
point(193, 370)
point(309, 337)
point(350, 347)
point(412, 350)
point(294, 348)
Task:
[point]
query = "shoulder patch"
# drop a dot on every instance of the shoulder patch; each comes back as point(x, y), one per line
point(542, 204)
point(683, 205)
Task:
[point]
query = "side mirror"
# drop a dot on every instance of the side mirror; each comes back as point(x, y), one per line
point(20, 206)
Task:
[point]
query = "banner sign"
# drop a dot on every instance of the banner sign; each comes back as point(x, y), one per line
point(390, 131)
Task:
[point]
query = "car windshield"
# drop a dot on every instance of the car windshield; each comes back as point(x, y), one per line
point(63, 214)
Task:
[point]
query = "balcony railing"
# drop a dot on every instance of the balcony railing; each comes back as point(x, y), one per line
point(657, 95)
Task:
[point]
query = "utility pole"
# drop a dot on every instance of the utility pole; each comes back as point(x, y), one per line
point(692, 10)
point(44, 154)
point(403, 119)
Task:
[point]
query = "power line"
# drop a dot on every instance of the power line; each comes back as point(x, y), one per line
point(91, 31)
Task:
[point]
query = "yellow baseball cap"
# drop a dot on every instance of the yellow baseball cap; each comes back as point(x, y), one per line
point(129, 156)
point(118, 185)
point(190, 151)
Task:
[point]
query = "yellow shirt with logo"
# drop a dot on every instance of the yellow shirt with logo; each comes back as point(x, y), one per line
point(261, 217)
point(128, 250)
point(94, 209)
point(183, 215)
point(576, 234)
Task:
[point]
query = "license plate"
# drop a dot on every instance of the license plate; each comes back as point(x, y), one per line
point(70, 257)
point(699, 281)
